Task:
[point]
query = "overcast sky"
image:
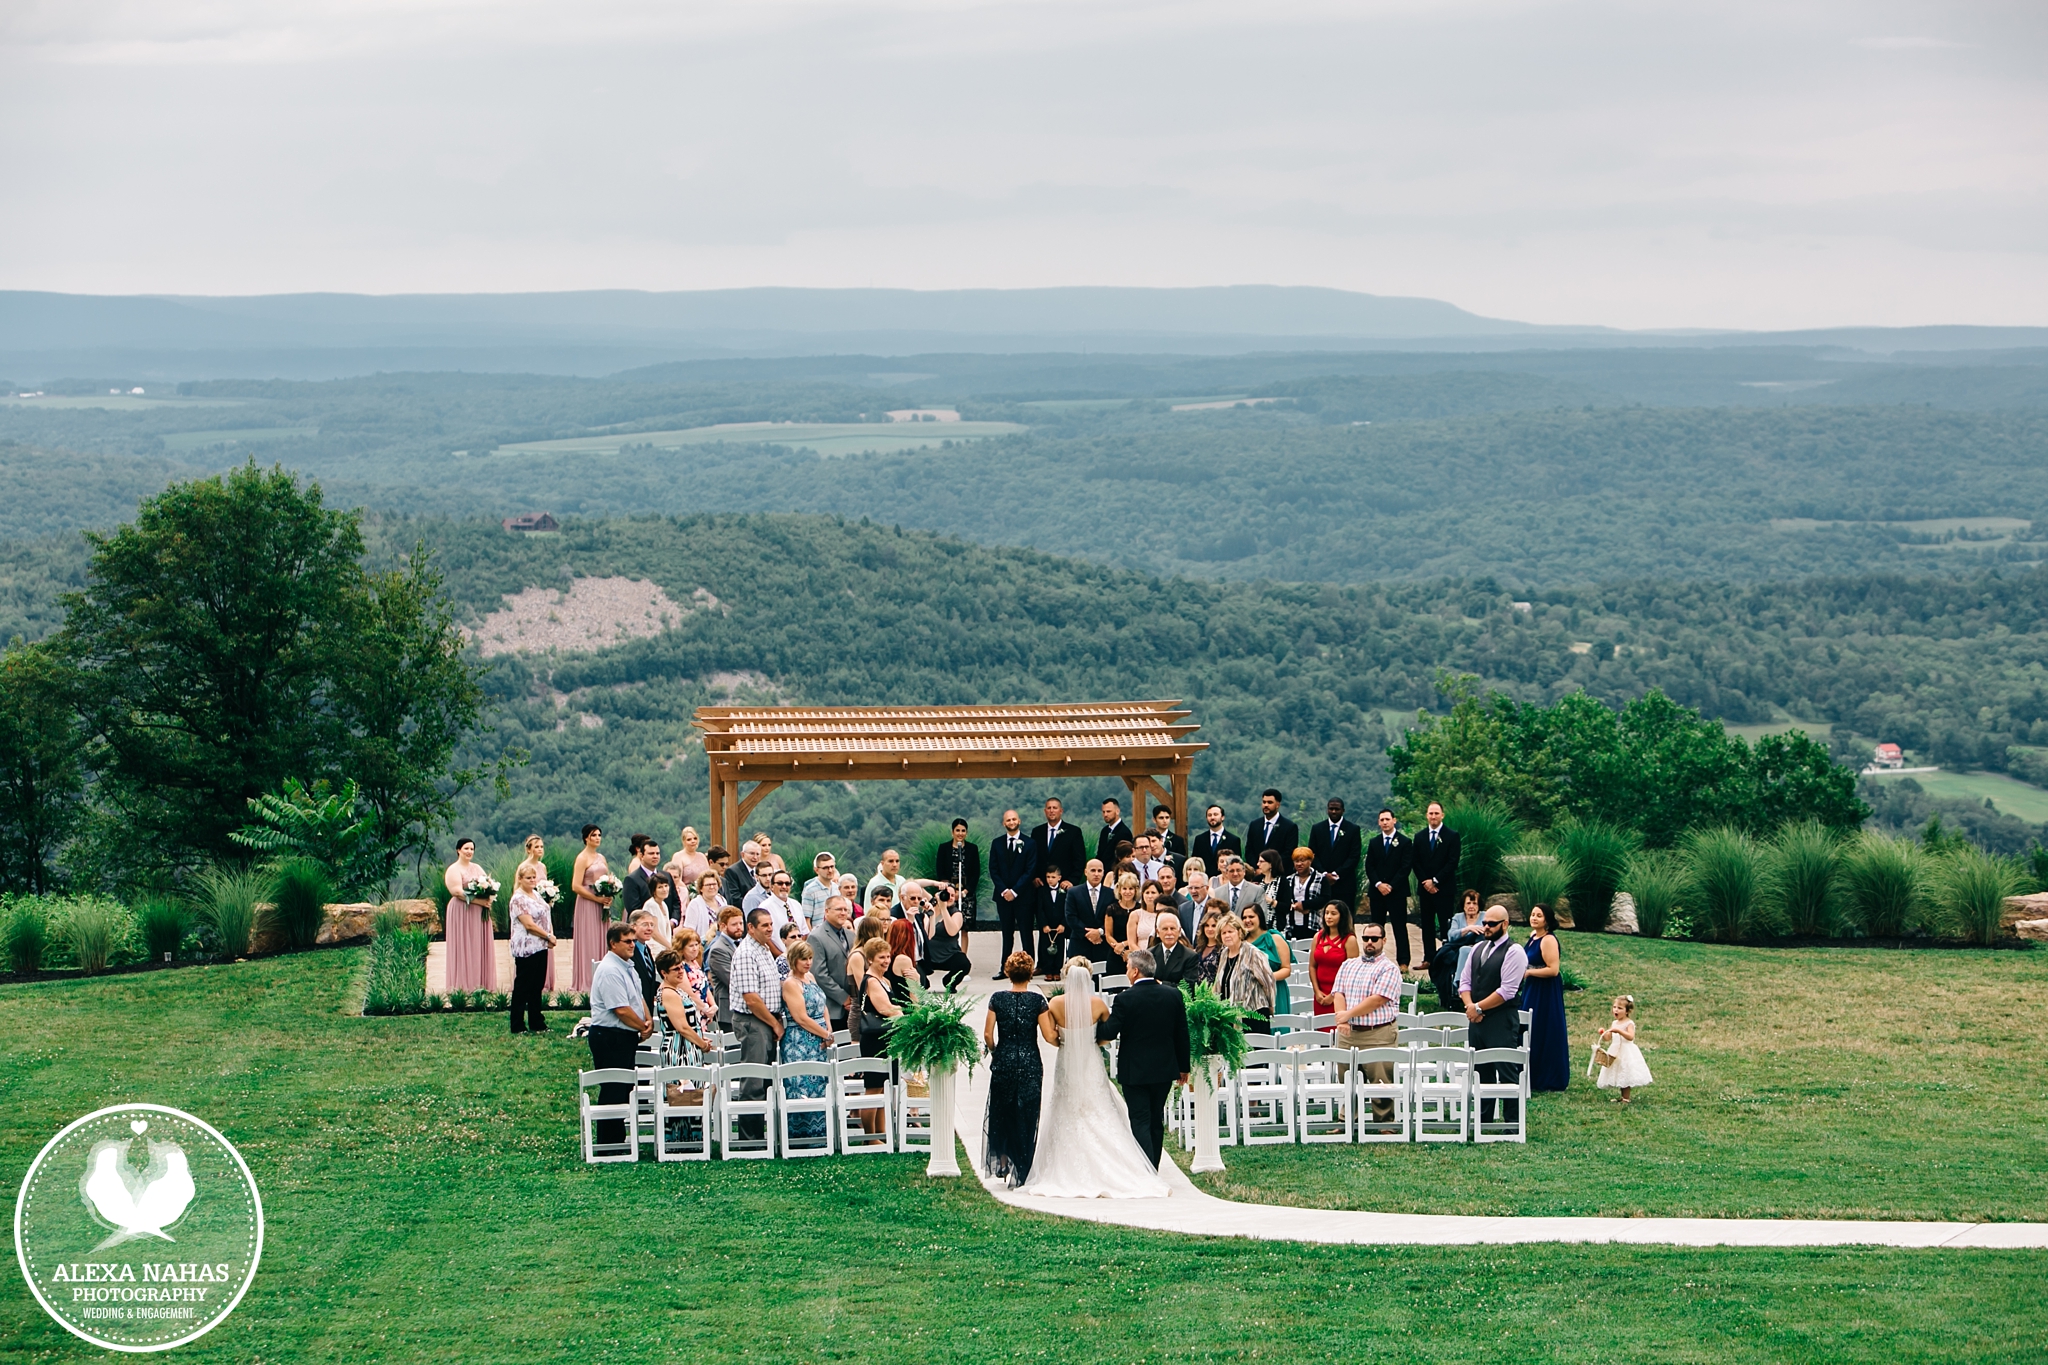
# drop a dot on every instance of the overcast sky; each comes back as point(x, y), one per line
point(1724, 164)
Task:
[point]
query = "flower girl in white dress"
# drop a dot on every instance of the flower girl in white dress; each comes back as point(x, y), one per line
point(1628, 1070)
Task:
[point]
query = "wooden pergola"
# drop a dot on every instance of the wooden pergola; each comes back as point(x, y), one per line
point(1140, 743)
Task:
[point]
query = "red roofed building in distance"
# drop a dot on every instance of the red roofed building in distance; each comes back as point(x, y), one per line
point(1888, 756)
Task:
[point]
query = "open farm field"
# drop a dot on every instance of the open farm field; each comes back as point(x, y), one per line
point(114, 402)
point(822, 438)
point(182, 442)
point(413, 1169)
point(1790, 1083)
point(2009, 794)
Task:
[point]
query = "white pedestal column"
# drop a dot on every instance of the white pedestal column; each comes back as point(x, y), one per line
point(943, 1161)
point(1208, 1151)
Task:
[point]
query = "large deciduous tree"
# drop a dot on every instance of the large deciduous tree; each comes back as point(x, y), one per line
point(230, 638)
point(42, 780)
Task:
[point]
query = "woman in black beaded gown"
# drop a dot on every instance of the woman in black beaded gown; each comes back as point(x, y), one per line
point(1016, 1073)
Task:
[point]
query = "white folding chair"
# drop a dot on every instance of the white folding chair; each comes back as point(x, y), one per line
point(793, 1106)
point(1440, 1019)
point(1265, 1098)
point(682, 1132)
point(595, 1152)
point(1418, 1037)
point(850, 1079)
point(1293, 1023)
point(913, 1117)
point(1441, 1086)
point(1369, 1127)
point(841, 1037)
point(732, 1110)
point(1410, 990)
point(1323, 1094)
point(1501, 1128)
point(1110, 984)
point(845, 1052)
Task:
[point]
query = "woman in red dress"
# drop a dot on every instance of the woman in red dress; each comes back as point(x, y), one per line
point(1334, 943)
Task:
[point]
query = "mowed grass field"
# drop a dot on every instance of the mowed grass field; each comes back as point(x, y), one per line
point(1790, 1083)
point(826, 438)
point(2009, 794)
point(425, 1201)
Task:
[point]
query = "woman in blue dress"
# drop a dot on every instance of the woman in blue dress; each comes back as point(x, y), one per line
point(806, 1036)
point(1550, 1064)
point(1016, 1073)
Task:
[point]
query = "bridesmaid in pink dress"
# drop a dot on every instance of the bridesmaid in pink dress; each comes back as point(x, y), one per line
point(472, 963)
point(587, 929)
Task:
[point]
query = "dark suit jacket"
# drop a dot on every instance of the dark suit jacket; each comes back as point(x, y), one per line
point(636, 892)
point(1012, 871)
point(1338, 851)
point(736, 883)
point(1207, 846)
point(1388, 863)
point(1176, 848)
point(1107, 840)
point(1086, 908)
point(1068, 852)
point(1286, 838)
point(650, 980)
point(1439, 863)
point(1176, 964)
point(1151, 1020)
point(718, 966)
point(961, 867)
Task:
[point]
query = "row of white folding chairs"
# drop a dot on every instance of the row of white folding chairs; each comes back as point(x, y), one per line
point(712, 1110)
point(1323, 1094)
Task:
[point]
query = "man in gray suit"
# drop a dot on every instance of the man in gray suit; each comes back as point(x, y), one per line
point(718, 961)
point(832, 944)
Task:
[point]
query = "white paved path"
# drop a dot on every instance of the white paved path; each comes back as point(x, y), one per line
point(1190, 1210)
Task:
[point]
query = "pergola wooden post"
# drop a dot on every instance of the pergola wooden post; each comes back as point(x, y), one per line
point(1136, 742)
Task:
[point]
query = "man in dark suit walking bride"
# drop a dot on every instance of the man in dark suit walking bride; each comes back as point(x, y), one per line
point(1150, 1022)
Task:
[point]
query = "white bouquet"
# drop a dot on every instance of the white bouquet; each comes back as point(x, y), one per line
point(548, 892)
point(606, 885)
point(481, 886)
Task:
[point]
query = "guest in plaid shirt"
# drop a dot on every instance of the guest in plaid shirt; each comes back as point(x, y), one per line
point(1366, 997)
point(755, 984)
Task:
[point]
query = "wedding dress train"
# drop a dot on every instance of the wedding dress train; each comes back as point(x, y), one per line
point(1085, 1147)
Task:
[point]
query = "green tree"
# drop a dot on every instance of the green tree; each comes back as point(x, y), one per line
point(230, 638)
point(1795, 777)
point(42, 778)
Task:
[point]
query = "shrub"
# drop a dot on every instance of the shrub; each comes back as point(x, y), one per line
point(1970, 890)
point(1538, 879)
point(161, 921)
point(1594, 855)
point(1884, 884)
point(1806, 879)
point(1486, 834)
point(398, 967)
point(506, 870)
point(225, 900)
point(93, 930)
point(28, 938)
point(299, 891)
point(561, 865)
point(1725, 874)
point(1656, 880)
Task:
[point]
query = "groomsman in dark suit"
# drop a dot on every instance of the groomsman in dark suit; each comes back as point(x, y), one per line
point(1059, 843)
point(1212, 843)
point(1013, 870)
point(1388, 860)
point(646, 860)
point(1114, 832)
point(1271, 830)
point(1436, 876)
point(1162, 830)
point(1338, 845)
point(1088, 902)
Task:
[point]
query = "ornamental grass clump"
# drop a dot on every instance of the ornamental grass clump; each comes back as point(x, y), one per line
point(299, 891)
point(1655, 878)
point(1538, 878)
point(1725, 875)
point(1216, 1028)
point(932, 1034)
point(28, 936)
point(92, 930)
point(1885, 884)
point(162, 922)
point(398, 966)
point(224, 900)
point(1486, 834)
point(1594, 855)
point(1970, 891)
point(1806, 879)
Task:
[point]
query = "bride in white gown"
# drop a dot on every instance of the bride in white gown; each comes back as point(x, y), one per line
point(1085, 1147)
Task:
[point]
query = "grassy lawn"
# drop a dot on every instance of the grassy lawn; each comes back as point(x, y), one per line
point(425, 1201)
point(1852, 1083)
point(2009, 794)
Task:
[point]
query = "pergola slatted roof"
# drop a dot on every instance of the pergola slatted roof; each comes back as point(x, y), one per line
point(1132, 741)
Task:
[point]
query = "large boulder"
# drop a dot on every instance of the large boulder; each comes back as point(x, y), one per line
point(1623, 920)
point(2032, 930)
point(2019, 908)
point(355, 920)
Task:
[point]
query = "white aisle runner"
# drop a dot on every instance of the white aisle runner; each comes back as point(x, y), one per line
point(1191, 1211)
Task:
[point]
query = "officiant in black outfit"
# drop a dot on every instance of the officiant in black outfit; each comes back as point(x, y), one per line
point(958, 865)
point(1151, 1021)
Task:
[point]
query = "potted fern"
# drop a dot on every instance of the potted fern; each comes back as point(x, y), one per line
point(1215, 1038)
point(932, 1036)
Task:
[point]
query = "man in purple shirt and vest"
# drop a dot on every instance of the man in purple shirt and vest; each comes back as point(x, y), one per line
point(1491, 987)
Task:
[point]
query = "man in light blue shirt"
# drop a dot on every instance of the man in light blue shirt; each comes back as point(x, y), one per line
point(616, 1024)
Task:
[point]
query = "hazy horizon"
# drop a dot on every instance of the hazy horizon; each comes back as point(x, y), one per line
point(1558, 162)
